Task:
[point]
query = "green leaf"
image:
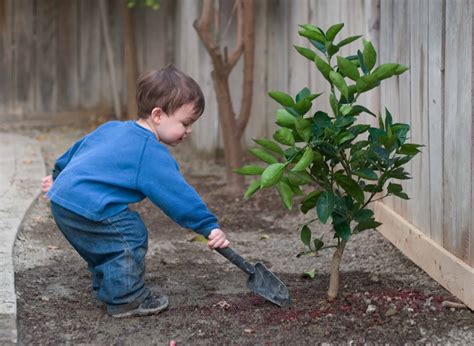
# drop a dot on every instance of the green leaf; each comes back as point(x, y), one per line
point(249, 170)
point(310, 274)
point(313, 35)
point(304, 93)
point(365, 83)
point(348, 40)
point(347, 68)
point(254, 187)
point(400, 69)
point(286, 194)
point(342, 229)
point(284, 118)
point(199, 239)
point(339, 82)
point(394, 188)
point(323, 67)
point(270, 145)
point(363, 214)
point(310, 201)
point(350, 186)
point(385, 71)
point(272, 175)
point(333, 31)
point(303, 128)
point(318, 244)
point(299, 178)
point(345, 109)
point(366, 224)
point(307, 53)
point(366, 173)
point(282, 98)
point(325, 205)
point(303, 106)
point(344, 137)
point(409, 149)
point(370, 55)
point(306, 235)
point(357, 109)
point(305, 160)
point(263, 155)
point(334, 104)
point(284, 136)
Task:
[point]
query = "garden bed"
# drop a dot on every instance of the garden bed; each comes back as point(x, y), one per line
point(383, 296)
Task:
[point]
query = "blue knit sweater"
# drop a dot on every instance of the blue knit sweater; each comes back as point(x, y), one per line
point(121, 163)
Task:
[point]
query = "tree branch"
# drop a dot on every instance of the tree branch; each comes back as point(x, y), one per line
point(248, 23)
point(203, 26)
point(235, 55)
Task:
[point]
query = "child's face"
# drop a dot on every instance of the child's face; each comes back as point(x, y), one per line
point(173, 128)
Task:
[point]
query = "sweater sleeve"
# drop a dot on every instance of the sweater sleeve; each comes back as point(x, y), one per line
point(160, 180)
point(64, 159)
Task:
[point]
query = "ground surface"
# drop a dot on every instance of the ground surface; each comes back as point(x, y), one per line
point(383, 296)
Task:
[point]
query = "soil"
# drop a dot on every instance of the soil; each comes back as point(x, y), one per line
point(383, 296)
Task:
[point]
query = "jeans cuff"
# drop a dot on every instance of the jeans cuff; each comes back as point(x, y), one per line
point(116, 309)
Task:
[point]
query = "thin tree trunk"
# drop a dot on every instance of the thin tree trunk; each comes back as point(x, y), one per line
point(233, 148)
point(130, 53)
point(110, 58)
point(334, 278)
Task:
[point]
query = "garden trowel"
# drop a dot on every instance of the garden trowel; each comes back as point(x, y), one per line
point(261, 281)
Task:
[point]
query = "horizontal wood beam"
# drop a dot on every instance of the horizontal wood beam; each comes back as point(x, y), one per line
point(448, 270)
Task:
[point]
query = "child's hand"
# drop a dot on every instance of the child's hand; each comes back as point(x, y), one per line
point(217, 239)
point(46, 183)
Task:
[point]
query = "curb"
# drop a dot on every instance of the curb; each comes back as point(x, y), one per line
point(21, 170)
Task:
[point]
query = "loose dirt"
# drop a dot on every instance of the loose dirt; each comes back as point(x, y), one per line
point(383, 296)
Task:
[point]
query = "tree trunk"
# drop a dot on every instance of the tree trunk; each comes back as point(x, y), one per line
point(334, 278)
point(130, 61)
point(232, 146)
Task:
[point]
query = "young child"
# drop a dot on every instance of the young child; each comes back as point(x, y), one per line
point(121, 163)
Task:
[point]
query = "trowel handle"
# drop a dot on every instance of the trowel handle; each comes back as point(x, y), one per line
point(236, 259)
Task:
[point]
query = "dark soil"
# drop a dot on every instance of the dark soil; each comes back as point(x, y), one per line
point(383, 296)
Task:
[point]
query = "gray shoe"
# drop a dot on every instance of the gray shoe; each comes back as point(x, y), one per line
point(151, 305)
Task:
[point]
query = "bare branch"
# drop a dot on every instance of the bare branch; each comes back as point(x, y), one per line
point(203, 26)
point(235, 55)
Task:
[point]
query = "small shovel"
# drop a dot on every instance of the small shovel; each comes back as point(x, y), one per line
point(261, 281)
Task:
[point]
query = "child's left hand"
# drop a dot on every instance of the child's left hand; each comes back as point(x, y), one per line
point(46, 184)
point(217, 239)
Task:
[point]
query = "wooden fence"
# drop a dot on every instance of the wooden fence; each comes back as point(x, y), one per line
point(53, 67)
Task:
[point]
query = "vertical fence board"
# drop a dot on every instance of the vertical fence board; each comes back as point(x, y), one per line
point(6, 58)
point(419, 113)
point(436, 116)
point(90, 51)
point(24, 67)
point(67, 75)
point(457, 136)
point(46, 48)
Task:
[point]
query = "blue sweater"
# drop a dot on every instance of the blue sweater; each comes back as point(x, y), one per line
point(121, 163)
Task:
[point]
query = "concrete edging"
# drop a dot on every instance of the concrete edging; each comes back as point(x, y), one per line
point(21, 170)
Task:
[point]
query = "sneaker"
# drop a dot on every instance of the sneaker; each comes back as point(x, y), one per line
point(151, 305)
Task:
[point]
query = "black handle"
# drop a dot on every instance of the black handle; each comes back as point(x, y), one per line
point(236, 259)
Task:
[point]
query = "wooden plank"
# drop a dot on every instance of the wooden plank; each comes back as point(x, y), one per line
point(46, 28)
point(6, 57)
point(91, 68)
point(256, 127)
point(471, 239)
point(24, 56)
point(452, 273)
point(458, 131)
point(277, 63)
point(67, 75)
point(419, 114)
point(435, 86)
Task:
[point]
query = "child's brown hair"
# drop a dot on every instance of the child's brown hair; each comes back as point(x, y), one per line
point(168, 89)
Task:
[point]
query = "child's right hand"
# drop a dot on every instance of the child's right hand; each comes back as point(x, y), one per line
point(46, 183)
point(217, 239)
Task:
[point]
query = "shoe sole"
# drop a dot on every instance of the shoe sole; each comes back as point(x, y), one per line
point(141, 312)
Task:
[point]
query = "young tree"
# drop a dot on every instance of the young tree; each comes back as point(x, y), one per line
point(232, 126)
point(345, 165)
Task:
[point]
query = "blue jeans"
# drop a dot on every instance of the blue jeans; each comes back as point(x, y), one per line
point(114, 250)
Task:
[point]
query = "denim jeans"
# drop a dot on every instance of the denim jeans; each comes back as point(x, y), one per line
point(114, 250)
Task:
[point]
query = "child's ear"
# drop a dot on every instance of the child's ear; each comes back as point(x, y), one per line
point(156, 114)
